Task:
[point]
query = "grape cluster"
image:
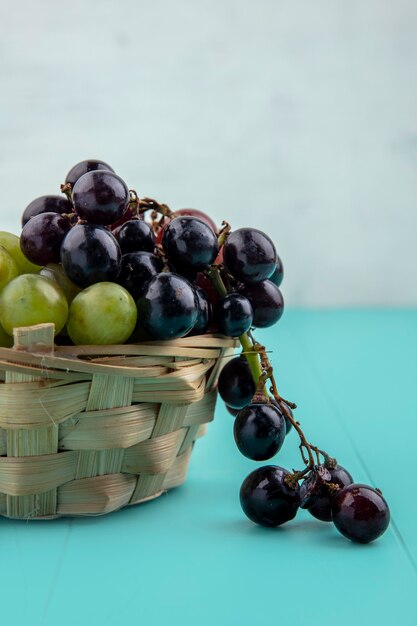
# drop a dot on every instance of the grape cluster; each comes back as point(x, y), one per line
point(107, 267)
point(101, 272)
point(272, 495)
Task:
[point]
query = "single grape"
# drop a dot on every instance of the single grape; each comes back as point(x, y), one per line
point(249, 255)
point(321, 507)
point(83, 167)
point(47, 204)
point(189, 244)
point(267, 303)
point(288, 424)
point(11, 243)
point(55, 272)
point(259, 431)
point(266, 499)
point(42, 237)
point(233, 315)
point(102, 314)
point(100, 197)
point(278, 275)
point(8, 268)
point(360, 513)
point(137, 270)
point(90, 254)
point(134, 236)
point(31, 299)
point(236, 385)
point(168, 309)
point(203, 313)
point(191, 213)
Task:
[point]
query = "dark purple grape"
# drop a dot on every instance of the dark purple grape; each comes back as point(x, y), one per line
point(42, 237)
point(232, 411)
point(267, 303)
point(278, 275)
point(249, 255)
point(360, 513)
point(168, 309)
point(203, 313)
point(189, 244)
point(236, 385)
point(233, 315)
point(287, 421)
point(321, 507)
point(134, 236)
point(259, 431)
point(100, 197)
point(137, 270)
point(317, 479)
point(90, 254)
point(46, 204)
point(83, 167)
point(266, 499)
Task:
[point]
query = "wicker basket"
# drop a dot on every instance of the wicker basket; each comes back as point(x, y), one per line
point(87, 430)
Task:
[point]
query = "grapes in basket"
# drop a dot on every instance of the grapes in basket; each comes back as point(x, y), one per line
point(108, 267)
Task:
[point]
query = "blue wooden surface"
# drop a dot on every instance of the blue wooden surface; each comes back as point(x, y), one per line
point(191, 558)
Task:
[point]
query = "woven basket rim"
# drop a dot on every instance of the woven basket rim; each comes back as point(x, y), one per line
point(96, 358)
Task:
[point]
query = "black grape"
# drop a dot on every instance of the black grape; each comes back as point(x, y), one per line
point(42, 236)
point(360, 513)
point(46, 204)
point(233, 315)
point(168, 308)
point(266, 498)
point(189, 244)
point(249, 255)
point(135, 235)
point(100, 197)
point(137, 270)
point(321, 506)
point(90, 254)
point(83, 167)
point(259, 431)
point(236, 385)
point(267, 303)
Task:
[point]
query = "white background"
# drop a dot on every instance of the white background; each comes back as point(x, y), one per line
point(299, 118)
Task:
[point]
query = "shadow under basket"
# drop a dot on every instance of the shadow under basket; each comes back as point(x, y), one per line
point(86, 430)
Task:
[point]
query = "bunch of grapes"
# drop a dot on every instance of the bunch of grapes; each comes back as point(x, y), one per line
point(106, 267)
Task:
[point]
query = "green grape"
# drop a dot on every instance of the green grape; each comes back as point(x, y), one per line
point(104, 313)
point(11, 243)
point(5, 340)
point(54, 272)
point(8, 268)
point(31, 299)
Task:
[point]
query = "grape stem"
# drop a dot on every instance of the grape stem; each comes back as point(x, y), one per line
point(223, 234)
point(147, 204)
point(261, 370)
point(66, 189)
point(304, 445)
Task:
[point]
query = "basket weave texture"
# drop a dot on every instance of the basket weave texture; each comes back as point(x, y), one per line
point(87, 430)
